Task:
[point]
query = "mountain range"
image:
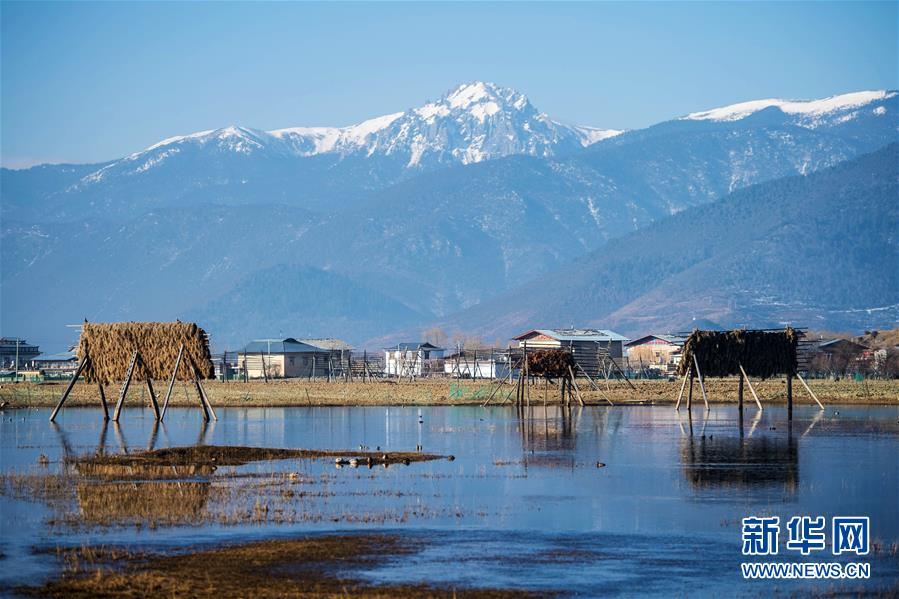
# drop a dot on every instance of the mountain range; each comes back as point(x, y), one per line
point(422, 216)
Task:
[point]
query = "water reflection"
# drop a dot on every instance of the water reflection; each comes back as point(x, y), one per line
point(548, 434)
point(712, 461)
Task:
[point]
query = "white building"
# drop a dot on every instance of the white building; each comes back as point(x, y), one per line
point(413, 359)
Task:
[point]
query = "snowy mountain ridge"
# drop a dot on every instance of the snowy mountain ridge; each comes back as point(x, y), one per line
point(471, 123)
point(809, 113)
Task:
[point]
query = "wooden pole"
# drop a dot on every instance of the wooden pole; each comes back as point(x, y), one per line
point(206, 400)
point(690, 392)
point(264, 372)
point(69, 388)
point(200, 397)
point(577, 389)
point(103, 402)
point(680, 395)
point(153, 397)
point(810, 392)
point(701, 383)
point(740, 393)
point(168, 394)
point(125, 385)
point(751, 388)
point(789, 396)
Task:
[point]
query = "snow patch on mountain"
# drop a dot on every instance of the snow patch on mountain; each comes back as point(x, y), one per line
point(810, 111)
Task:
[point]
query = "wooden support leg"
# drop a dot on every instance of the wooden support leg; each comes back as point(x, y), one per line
point(810, 392)
point(690, 392)
point(789, 396)
point(681, 394)
point(153, 398)
point(168, 393)
point(103, 401)
point(68, 390)
point(751, 388)
point(200, 397)
point(577, 389)
point(125, 385)
point(206, 400)
point(705, 399)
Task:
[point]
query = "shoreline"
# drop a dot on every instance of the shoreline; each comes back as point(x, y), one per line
point(448, 392)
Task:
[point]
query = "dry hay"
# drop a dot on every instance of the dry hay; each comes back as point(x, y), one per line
point(550, 363)
point(762, 354)
point(110, 346)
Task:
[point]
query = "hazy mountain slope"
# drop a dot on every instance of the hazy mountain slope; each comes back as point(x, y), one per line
point(301, 301)
point(818, 250)
point(155, 267)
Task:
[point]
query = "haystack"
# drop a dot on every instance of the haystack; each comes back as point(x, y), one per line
point(550, 363)
point(111, 345)
point(762, 354)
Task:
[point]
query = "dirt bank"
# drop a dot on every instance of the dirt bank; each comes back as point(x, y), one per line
point(300, 392)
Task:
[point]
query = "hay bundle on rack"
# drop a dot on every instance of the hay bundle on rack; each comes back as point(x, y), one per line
point(762, 354)
point(550, 363)
point(110, 346)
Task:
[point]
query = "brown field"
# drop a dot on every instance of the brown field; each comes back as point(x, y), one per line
point(301, 392)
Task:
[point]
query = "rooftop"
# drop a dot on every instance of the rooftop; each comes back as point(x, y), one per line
point(330, 343)
point(413, 345)
point(280, 346)
point(575, 334)
point(672, 339)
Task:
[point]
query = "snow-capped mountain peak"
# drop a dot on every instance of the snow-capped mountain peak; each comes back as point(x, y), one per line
point(472, 122)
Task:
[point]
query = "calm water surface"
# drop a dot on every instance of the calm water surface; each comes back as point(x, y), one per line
point(522, 505)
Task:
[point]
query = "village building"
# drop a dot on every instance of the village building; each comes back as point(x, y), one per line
point(658, 352)
point(419, 358)
point(839, 356)
point(283, 358)
point(595, 351)
point(55, 365)
point(16, 353)
point(478, 364)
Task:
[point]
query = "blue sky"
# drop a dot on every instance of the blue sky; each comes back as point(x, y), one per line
point(86, 82)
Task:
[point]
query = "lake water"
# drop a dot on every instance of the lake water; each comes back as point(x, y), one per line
point(523, 504)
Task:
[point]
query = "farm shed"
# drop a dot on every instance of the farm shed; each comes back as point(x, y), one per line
point(283, 358)
point(592, 349)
